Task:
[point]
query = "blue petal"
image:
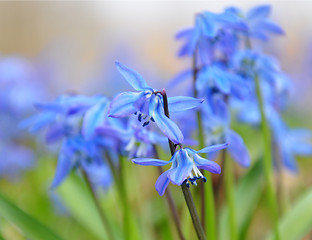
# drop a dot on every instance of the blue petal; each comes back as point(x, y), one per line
point(168, 127)
point(123, 104)
point(289, 161)
point(53, 107)
point(113, 132)
point(63, 167)
point(259, 12)
point(133, 78)
point(302, 148)
point(206, 164)
point(221, 79)
point(237, 149)
point(150, 162)
point(301, 133)
point(183, 169)
point(162, 183)
point(54, 133)
point(93, 118)
point(184, 33)
point(36, 123)
point(222, 112)
point(181, 77)
point(213, 148)
point(271, 26)
point(179, 104)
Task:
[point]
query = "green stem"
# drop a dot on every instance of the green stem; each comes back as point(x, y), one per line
point(192, 209)
point(170, 202)
point(123, 197)
point(282, 196)
point(207, 197)
point(208, 204)
point(267, 161)
point(230, 198)
point(98, 206)
point(186, 191)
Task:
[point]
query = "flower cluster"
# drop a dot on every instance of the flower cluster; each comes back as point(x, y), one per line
point(225, 70)
point(225, 67)
point(72, 120)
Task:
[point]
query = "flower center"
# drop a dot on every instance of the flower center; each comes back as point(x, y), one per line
point(144, 118)
point(194, 177)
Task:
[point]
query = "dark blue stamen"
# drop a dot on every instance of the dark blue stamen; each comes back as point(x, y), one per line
point(204, 179)
point(140, 117)
point(152, 119)
point(135, 113)
point(193, 180)
point(146, 123)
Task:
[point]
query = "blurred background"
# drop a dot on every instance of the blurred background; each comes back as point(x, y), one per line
point(71, 47)
point(78, 42)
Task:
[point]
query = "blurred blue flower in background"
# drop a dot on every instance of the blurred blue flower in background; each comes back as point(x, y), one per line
point(20, 86)
point(217, 129)
point(73, 119)
point(290, 142)
point(15, 159)
point(137, 141)
point(257, 21)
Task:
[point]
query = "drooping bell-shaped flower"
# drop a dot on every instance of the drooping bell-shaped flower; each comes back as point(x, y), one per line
point(290, 142)
point(217, 126)
point(147, 104)
point(185, 167)
point(257, 21)
point(136, 140)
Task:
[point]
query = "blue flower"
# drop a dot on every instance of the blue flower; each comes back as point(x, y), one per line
point(147, 104)
point(73, 119)
point(78, 152)
point(257, 22)
point(206, 31)
point(138, 141)
point(290, 142)
point(216, 77)
point(217, 126)
point(15, 160)
point(185, 167)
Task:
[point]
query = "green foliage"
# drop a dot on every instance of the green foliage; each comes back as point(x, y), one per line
point(298, 220)
point(247, 195)
point(30, 226)
point(78, 200)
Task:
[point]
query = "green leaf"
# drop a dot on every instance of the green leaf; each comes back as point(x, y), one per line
point(32, 228)
point(78, 200)
point(297, 222)
point(247, 195)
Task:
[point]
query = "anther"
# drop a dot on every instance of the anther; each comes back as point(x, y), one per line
point(140, 117)
point(146, 123)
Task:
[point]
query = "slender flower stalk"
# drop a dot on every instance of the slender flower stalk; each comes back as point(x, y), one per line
point(267, 161)
point(230, 198)
point(170, 202)
point(207, 211)
point(127, 225)
point(186, 191)
point(104, 220)
point(282, 196)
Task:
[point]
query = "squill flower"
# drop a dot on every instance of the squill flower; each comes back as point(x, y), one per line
point(185, 167)
point(147, 104)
